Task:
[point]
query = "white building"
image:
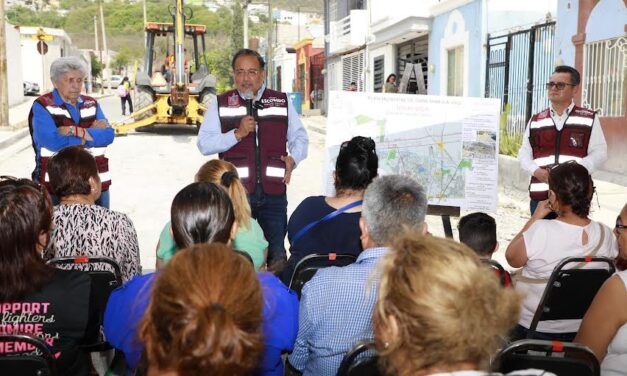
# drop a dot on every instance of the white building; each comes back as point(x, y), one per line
point(14, 64)
point(284, 64)
point(36, 67)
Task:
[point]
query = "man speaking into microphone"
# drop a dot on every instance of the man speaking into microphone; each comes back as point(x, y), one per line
point(253, 127)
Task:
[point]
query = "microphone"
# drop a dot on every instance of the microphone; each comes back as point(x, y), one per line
point(248, 97)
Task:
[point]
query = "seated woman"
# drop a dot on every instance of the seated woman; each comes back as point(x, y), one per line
point(204, 316)
point(58, 302)
point(83, 228)
point(542, 244)
point(604, 327)
point(202, 213)
point(249, 237)
point(438, 311)
point(355, 167)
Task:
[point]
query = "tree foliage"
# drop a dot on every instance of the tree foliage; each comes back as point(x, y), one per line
point(237, 29)
point(96, 66)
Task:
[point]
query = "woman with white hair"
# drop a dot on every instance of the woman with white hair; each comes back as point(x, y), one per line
point(64, 117)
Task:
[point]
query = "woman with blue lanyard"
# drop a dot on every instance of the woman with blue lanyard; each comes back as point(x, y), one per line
point(324, 224)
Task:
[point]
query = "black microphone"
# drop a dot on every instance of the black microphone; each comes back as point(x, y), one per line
point(248, 97)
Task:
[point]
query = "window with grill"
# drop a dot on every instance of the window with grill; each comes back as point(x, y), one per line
point(604, 81)
point(352, 70)
point(378, 74)
point(455, 83)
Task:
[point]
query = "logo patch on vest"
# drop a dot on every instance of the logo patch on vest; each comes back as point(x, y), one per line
point(272, 100)
point(233, 101)
point(576, 140)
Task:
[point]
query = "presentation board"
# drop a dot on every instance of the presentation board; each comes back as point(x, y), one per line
point(449, 144)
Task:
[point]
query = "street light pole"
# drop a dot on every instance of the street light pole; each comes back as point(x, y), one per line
point(106, 51)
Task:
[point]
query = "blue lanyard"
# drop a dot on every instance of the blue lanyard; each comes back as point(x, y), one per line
point(327, 217)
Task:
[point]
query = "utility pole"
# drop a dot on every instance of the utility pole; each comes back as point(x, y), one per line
point(269, 62)
point(246, 2)
point(106, 51)
point(145, 21)
point(4, 87)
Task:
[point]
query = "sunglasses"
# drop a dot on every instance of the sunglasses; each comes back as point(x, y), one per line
point(557, 85)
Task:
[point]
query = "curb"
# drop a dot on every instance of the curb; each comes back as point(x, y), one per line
point(14, 138)
point(317, 130)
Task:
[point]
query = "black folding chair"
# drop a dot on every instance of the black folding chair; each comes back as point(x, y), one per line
point(307, 267)
point(104, 282)
point(29, 356)
point(561, 358)
point(569, 292)
point(503, 274)
point(358, 363)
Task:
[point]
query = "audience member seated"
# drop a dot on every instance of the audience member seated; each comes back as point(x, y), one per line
point(82, 227)
point(478, 231)
point(438, 312)
point(604, 327)
point(542, 244)
point(204, 316)
point(249, 237)
point(355, 167)
point(202, 213)
point(36, 298)
point(336, 304)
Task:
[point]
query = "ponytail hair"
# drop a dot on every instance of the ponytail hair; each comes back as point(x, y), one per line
point(224, 174)
point(204, 316)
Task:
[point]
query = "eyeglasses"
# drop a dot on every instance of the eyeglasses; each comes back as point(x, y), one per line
point(247, 73)
point(618, 228)
point(557, 85)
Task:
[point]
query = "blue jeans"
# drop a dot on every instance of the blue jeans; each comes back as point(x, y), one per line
point(533, 204)
point(271, 213)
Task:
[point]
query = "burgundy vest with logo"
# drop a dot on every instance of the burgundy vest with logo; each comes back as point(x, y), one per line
point(551, 147)
point(257, 156)
point(61, 117)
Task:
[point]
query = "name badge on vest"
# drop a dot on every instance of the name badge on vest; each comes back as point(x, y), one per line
point(576, 140)
point(275, 172)
point(233, 101)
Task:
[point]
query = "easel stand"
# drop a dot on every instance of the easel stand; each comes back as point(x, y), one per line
point(445, 212)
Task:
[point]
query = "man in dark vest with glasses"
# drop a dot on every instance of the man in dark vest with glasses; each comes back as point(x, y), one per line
point(563, 132)
point(253, 127)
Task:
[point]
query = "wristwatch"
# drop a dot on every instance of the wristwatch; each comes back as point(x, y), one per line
point(71, 132)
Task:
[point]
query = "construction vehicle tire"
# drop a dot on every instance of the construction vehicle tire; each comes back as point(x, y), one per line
point(144, 99)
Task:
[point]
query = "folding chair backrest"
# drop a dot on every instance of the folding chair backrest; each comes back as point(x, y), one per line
point(560, 358)
point(25, 355)
point(503, 275)
point(357, 362)
point(569, 292)
point(307, 267)
point(103, 284)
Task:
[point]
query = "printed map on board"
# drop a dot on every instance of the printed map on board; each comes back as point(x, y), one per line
point(437, 140)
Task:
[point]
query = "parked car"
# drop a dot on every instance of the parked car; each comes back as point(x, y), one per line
point(31, 88)
point(114, 82)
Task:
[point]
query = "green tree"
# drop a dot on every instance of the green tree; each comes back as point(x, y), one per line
point(122, 59)
point(219, 64)
point(237, 30)
point(96, 66)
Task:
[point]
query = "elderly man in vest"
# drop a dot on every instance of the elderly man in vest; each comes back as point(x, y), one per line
point(560, 133)
point(64, 117)
point(250, 127)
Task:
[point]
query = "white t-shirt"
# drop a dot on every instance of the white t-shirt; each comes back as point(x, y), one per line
point(615, 362)
point(548, 242)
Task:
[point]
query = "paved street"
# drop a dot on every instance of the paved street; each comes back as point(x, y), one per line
point(150, 168)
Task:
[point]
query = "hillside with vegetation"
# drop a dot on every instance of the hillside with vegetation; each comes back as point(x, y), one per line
point(124, 27)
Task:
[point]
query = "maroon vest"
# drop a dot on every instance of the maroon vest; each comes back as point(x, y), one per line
point(551, 147)
point(61, 117)
point(257, 156)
